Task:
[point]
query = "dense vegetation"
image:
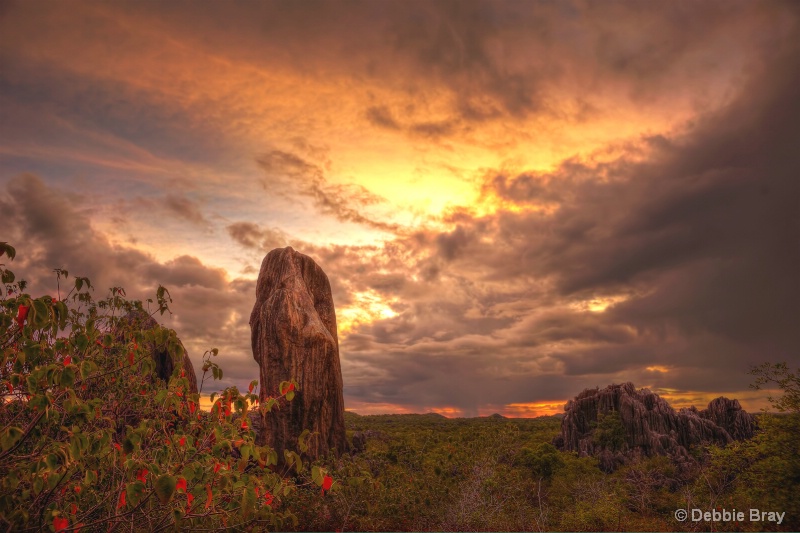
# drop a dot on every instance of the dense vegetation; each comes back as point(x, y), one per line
point(91, 439)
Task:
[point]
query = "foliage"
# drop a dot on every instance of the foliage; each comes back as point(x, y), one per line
point(90, 436)
point(787, 381)
point(609, 433)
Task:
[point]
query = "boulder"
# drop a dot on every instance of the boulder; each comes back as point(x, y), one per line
point(620, 423)
point(294, 337)
point(141, 320)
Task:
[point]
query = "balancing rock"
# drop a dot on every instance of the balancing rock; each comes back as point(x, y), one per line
point(294, 336)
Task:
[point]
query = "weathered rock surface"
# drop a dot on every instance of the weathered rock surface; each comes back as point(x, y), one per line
point(294, 336)
point(649, 425)
point(139, 319)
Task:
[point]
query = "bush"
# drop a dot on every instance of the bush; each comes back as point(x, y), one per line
point(91, 436)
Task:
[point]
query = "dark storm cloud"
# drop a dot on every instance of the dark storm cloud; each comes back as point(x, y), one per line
point(49, 230)
point(289, 175)
point(382, 117)
point(251, 235)
point(185, 208)
point(699, 242)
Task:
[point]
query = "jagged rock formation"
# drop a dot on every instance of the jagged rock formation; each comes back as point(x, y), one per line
point(139, 319)
point(620, 423)
point(294, 336)
point(730, 416)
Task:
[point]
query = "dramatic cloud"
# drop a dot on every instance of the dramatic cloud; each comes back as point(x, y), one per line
point(513, 201)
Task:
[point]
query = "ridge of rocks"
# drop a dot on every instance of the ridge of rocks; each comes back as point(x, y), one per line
point(645, 425)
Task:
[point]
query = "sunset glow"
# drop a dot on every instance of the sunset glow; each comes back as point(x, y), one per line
point(512, 201)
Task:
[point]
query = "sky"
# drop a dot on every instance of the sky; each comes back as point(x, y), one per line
point(513, 201)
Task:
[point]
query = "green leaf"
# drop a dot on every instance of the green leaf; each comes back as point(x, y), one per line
point(9, 437)
point(165, 488)
point(6, 276)
point(81, 341)
point(68, 377)
point(127, 446)
point(7, 249)
point(248, 501)
point(135, 490)
point(41, 313)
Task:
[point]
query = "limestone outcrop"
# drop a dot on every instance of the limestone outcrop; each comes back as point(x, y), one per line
point(620, 423)
point(140, 320)
point(294, 336)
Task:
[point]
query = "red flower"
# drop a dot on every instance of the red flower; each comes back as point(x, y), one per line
point(73, 509)
point(181, 484)
point(67, 360)
point(256, 491)
point(217, 466)
point(77, 489)
point(130, 358)
point(250, 388)
point(189, 500)
point(179, 393)
point(268, 498)
point(182, 441)
point(183, 373)
point(10, 387)
point(22, 314)
point(142, 475)
point(121, 503)
point(244, 422)
point(192, 407)
point(117, 446)
point(327, 483)
point(60, 524)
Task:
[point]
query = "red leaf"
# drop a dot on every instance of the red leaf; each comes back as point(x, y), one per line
point(130, 358)
point(10, 387)
point(121, 503)
point(210, 499)
point(327, 483)
point(250, 388)
point(189, 498)
point(142, 475)
point(73, 509)
point(268, 498)
point(192, 407)
point(183, 373)
point(256, 491)
point(117, 446)
point(217, 466)
point(181, 484)
point(182, 441)
point(60, 524)
point(244, 423)
point(22, 314)
point(67, 360)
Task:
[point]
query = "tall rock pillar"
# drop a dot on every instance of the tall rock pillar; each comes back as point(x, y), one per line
point(294, 336)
